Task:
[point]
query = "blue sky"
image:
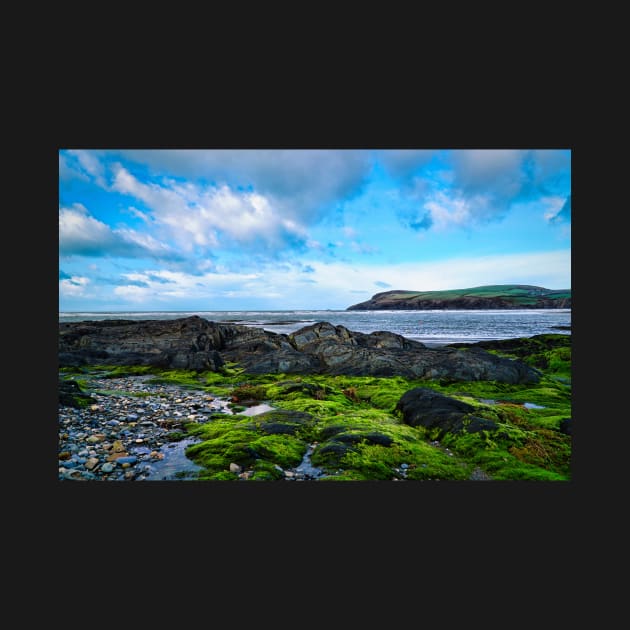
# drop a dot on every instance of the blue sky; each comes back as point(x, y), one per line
point(305, 229)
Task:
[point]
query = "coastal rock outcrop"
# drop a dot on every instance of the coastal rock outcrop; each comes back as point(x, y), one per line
point(198, 344)
point(71, 395)
point(427, 408)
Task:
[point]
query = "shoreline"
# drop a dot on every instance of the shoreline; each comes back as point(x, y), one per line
point(135, 423)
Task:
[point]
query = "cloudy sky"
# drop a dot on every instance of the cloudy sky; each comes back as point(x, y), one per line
point(280, 229)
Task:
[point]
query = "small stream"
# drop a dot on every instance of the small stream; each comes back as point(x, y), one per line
point(527, 405)
point(175, 465)
point(306, 469)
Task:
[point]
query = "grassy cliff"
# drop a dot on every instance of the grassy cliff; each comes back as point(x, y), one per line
point(499, 296)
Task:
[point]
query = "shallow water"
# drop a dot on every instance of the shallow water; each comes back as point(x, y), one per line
point(254, 410)
point(529, 405)
point(175, 464)
point(306, 468)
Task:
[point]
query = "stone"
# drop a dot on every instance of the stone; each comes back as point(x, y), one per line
point(127, 459)
point(565, 426)
point(116, 456)
point(425, 407)
point(198, 344)
point(91, 463)
point(235, 468)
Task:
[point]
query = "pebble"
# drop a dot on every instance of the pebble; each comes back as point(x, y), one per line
point(132, 459)
point(127, 435)
point(119, 437)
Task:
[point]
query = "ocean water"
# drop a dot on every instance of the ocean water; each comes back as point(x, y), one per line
point(433, 328)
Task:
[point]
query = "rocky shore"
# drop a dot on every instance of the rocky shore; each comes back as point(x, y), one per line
point(195, 343)
point(124, 418)
point(134, 432)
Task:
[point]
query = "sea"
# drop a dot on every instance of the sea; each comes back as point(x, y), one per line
point(433, 328)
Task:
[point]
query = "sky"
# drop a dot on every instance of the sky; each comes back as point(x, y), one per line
point(278, 229)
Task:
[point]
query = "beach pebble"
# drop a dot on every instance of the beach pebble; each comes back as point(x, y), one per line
point(125, 439)
point(131, 459)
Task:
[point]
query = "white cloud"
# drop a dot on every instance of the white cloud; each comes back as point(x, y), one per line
point(554, 205)
point(73, 287)
point(66, 172)
point(133, 293)
point(300, 181)
point(163, 285)
point(447, 211)
point(81, 234)
point(90, 164)
point(212, 217)
point(139, 214)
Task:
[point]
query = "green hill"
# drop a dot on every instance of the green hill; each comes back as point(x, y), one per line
point(496, 296)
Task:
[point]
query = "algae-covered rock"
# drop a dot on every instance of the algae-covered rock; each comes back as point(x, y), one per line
point(71, 395)
point(427, 408)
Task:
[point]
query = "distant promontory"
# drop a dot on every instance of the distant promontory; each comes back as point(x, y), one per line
point(496, 296)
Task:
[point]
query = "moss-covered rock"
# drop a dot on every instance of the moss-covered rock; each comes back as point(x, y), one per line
point(359, 434)
point(71, 395)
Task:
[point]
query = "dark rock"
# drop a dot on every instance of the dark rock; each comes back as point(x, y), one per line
point(275, 428)
point(330, 453)
point(424, 407)
point(198, 344)
point(71, 395)
point(373, 437)
point(311, 389)
point(333, 429)
point(565, 426)
point(286, 415)
point(520, 346)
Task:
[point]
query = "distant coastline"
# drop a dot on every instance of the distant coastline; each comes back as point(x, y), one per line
point(500, 296)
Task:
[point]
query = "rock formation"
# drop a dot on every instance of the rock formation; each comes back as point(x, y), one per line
point(425, 407)
point(198, 344)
